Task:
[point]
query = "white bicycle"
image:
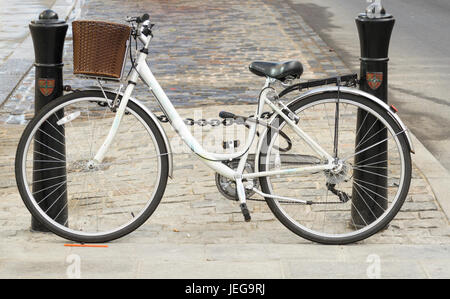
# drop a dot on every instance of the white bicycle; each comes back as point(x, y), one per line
point(117, 157)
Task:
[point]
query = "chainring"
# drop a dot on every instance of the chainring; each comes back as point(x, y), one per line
point(227, 187)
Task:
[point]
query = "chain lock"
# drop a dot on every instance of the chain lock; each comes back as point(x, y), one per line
point(214, 122)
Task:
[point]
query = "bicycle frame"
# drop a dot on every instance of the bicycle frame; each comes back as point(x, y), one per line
point(212, 160)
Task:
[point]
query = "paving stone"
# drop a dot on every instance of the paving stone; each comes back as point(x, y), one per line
point(422, 197)
point(203, 204)
point(431, 215)
point(419, 206)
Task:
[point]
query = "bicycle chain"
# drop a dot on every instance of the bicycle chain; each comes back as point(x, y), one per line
point(280, 201)
point(214, 122)
point(299, 203)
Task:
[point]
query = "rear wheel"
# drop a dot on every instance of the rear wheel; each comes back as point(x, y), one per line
point(350, 202)
point(76, 198)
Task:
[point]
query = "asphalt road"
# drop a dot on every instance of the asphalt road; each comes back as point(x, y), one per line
point(419, 67)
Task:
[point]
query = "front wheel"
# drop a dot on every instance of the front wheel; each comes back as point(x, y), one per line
point(71, 195)
point(368, 183)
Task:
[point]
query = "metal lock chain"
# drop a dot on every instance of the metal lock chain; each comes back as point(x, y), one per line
point(214, 122)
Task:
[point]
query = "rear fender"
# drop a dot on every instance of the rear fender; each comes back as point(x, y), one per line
point(348, 90)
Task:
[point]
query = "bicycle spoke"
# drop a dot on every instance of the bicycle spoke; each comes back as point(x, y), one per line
point(49, 156)
point(48, 179)
point(369, 183)
point(50, 161)
point(362, 197)
point(336, 130)
point(49, 168)
point(373, 145)
point(51, 137)
point(50, 148)
point(367, 139)
point(368, 166)
point(362, 124)
point(365, 188)
point(59, 186)
point(360, 215)
point(59, 132)
point(374, 156)
point(46, 188)
point(46, 211)
point(62, 209)
point(74, 143)
point(371, 172)
point(368, 131)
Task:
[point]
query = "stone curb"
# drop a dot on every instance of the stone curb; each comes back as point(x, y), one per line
point(22, 59)
point(436, 175)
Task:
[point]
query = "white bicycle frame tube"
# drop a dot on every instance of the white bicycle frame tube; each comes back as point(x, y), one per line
point(212, 160)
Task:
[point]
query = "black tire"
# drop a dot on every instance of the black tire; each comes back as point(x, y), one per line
point(278, 121)
point(20, 154)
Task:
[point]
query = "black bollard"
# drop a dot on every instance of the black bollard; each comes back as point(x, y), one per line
point(49, 166)
point(374, 28)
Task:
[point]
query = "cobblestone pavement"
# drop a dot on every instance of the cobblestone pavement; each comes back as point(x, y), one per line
point(200, 55)
point(201, 50)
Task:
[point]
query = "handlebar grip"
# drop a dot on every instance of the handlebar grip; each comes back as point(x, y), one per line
point(143, 18)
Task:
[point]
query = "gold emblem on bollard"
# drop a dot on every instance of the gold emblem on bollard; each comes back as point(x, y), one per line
point(374, 80)
point(46, 86)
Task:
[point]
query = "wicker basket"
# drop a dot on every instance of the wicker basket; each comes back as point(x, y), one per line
point(99, 48)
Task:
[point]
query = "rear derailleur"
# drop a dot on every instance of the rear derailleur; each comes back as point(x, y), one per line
point(343, 197)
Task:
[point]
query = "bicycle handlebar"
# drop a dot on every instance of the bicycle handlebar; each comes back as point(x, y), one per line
point(140, 19)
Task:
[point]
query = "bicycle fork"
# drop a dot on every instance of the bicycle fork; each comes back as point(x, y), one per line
point(98, 158)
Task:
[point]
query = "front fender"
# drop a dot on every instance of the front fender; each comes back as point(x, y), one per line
point(161, 129)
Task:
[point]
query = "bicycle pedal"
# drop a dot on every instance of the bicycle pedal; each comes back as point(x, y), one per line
point(245, 212)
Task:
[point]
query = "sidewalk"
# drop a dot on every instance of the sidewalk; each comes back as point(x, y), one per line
point(200, 55)
point(16, 46)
